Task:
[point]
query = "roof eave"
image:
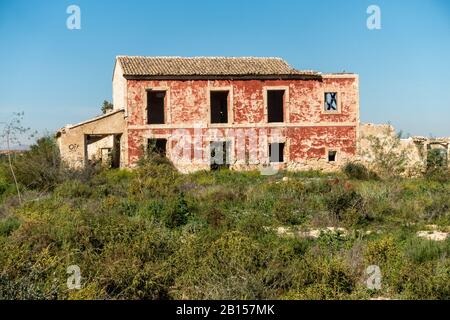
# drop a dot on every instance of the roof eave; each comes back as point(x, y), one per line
point(226, 77)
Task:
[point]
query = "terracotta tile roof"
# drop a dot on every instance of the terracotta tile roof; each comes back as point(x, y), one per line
point(207, 66)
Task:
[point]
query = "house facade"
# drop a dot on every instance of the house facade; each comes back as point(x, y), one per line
point(204, 113)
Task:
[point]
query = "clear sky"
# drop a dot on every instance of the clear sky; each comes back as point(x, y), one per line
point(59, 76)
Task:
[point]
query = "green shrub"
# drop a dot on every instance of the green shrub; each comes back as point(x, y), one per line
point(426, 281)
point(3, 186)
point(40, 167)
point(381, 251)
point(215, 217)
point(342, 201)
point(154, 179)
point(176, 212)
point(332, 241)
point(287, 212)
point(328, 278)
point(438, 207)
point(420, 251)
point(6, 188)
point(73, 189)
point(437, 165)
point(8, 225)
point(358, 171)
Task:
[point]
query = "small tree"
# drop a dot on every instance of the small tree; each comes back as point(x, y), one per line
point(385, 154)
point(437, 167)
point(106, 106)
point(11, 134)
point(40, 167)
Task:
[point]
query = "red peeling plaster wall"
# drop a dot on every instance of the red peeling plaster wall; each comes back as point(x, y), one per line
point(308, 131)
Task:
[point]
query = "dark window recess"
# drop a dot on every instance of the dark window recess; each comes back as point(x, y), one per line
point(331, 101)
point(275, 102)
point(155, 107)
point(219, 155)
point(276, 152)
point(332, 156)
point(116, 152)
point(157, 146)
point(219, 106)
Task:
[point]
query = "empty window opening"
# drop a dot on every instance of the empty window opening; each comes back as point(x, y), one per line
point(332, 156)
point(437, 157)
point(106, 156)
point(275, 105)
point(220, 151)
point(276, 152)
point(331, 103)
point(157, 146)
point(219, 106)
point(115, 160)
point(155, 106)
point(101, 149)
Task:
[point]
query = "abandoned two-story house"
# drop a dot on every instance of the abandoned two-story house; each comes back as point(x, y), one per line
point(207, 112)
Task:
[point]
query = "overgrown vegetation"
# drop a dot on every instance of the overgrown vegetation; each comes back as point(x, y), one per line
point(355, 170)
point(153, 233)
point(386, 156)
point(437, 165)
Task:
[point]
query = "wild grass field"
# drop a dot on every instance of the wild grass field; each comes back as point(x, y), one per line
point(153, 233)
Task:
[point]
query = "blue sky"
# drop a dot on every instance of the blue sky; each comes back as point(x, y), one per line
point(59, 76)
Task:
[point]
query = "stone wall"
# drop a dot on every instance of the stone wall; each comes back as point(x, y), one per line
point(414, 148)
point(72, 139)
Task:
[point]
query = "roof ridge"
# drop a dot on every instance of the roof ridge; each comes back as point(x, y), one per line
point(200, 57)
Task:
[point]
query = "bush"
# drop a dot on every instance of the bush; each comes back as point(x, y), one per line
point(437, 166)
point(428, 281)
point(328, 278)
point(154, 179)
point(342, 201)
point(5, 187)
point(420, 251)
point(286, 211)
point(381, 251)
point(385, 154)
point(439, 207)
point(8, 225)
point(176, 212)
point(40, 167)
point(358, 171)
point(73, 189)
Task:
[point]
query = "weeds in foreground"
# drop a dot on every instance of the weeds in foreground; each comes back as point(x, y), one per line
point(153, 233)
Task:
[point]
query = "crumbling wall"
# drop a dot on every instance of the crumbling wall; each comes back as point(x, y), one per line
point(72, 138)
point(415, 149)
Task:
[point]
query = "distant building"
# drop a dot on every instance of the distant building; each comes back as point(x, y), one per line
point(4, 153)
